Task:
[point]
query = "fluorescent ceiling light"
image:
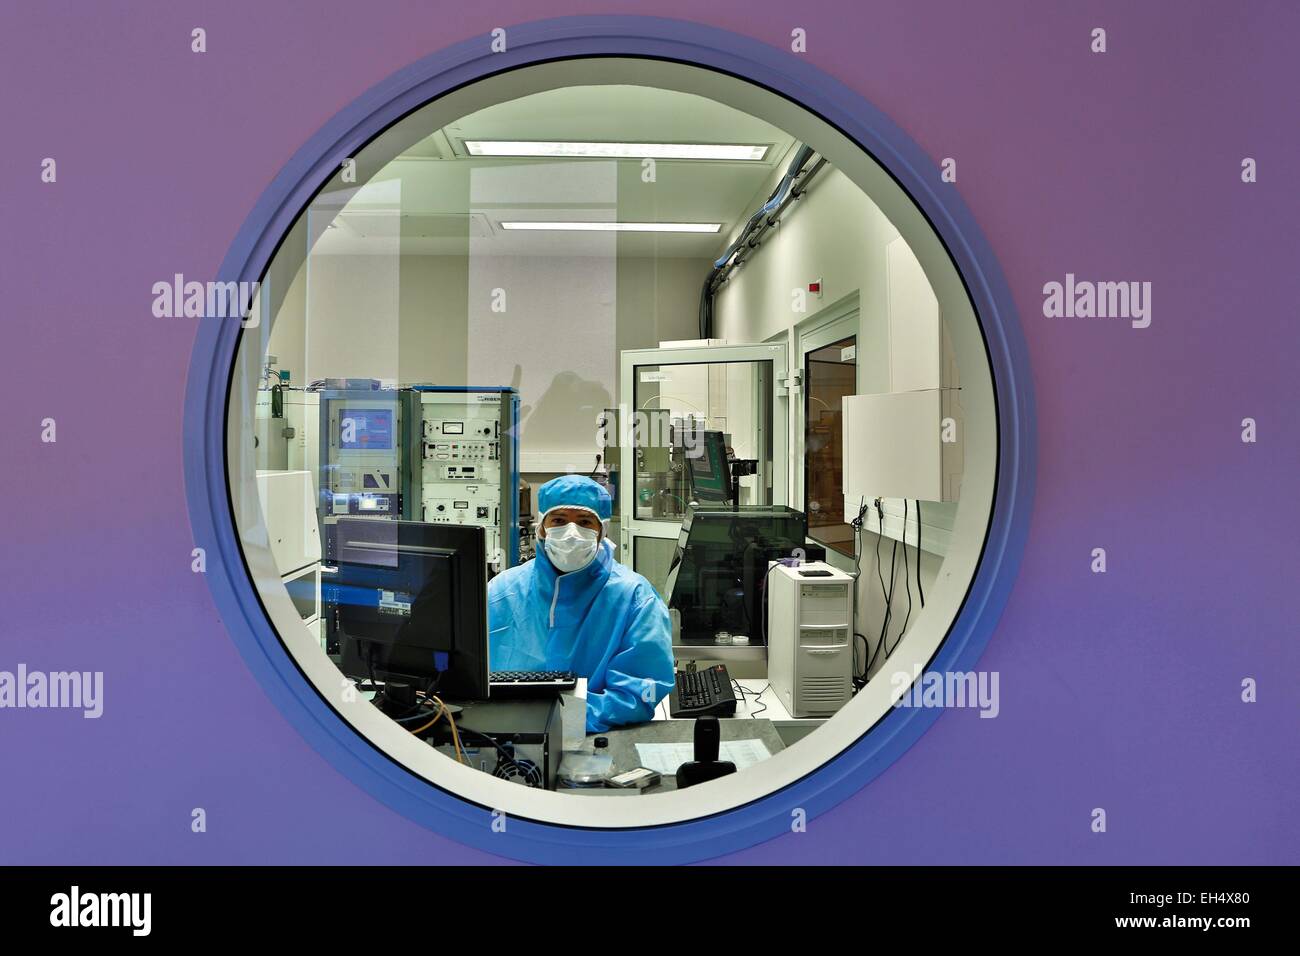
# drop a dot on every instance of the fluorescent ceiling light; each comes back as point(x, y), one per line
point(495, 147)
point(615, 226)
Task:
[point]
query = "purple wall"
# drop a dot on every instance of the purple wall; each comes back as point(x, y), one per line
point(1119, 690)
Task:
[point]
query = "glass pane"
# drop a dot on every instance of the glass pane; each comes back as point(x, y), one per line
point(444, 330)
point(719, 582)
point(830, 373)
point(674, 406)
point(651, 558)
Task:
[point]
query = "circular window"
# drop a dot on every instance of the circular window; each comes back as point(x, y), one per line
point(725, 297)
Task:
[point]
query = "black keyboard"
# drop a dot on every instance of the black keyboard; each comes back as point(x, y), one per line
point(703, 693)
point(529, 683)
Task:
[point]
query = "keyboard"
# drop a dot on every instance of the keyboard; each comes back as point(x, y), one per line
point(703, 693)
point(503, 684)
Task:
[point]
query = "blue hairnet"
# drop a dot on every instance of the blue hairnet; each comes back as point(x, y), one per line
point(575, 491)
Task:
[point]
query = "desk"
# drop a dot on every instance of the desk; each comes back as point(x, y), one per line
point(761, 702)
point(623, 741)
point(759, 716)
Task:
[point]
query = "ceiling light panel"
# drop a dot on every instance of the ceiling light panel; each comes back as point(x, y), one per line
point(693, 227)
point(744, 152)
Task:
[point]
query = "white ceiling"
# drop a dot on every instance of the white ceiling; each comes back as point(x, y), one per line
point(436, 200)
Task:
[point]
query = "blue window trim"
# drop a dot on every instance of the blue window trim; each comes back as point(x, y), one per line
point(318, 160)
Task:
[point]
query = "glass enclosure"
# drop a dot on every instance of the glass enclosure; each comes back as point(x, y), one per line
point(720, 568)
point(673, 405)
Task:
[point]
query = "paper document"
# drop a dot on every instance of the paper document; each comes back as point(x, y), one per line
point(666, 758)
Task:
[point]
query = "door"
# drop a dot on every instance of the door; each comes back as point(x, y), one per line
point(829, 370)
point(739, 390)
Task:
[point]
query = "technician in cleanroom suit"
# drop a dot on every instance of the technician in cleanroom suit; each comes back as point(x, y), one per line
point(575, 608)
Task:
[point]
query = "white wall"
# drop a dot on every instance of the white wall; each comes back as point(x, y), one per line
point(355, 299)
point(835, 234)
point(371, 317)
point(422, 318)
point(286, 287)
point(871, 602)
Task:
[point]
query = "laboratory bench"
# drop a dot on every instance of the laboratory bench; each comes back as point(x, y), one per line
point(760, 702)
point(761, 728)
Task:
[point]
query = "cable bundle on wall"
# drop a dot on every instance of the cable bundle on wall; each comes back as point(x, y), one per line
point(887, 594)
point(750, 236)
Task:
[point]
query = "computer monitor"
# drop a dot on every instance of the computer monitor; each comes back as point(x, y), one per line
point(706, 463)
point(413, 604)
point(718, 576)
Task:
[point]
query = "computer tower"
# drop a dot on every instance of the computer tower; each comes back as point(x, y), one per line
point(531, 731)
point(810, 637)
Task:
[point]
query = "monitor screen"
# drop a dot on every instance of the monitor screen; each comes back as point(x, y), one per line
point(366, 429)
point(717, 579)
point(412, 603)
point(706, 459)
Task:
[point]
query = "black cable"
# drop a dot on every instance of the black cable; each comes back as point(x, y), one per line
point(918, 552)
point(501, 751)
point(893, 579)
point(503, 755)
point(505, 758)
point(751, 225)
point(880, 515)
point(857, 538)
point(757, 696)
point(368, 654)
point(706, 305)
point(860, 681)
point(856, 524)
point(414, 717)
point(907, 576)
point(870, 660)
point(888, 615)
point(381, 696)
point(889, 602)
point(409, 713)
point(740, 694)
point(762, 591)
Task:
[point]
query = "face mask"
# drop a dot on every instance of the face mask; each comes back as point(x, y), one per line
point(570, 548)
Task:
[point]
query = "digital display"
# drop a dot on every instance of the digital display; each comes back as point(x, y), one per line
point(453, 428)
point(366, 429)
point(707, 466)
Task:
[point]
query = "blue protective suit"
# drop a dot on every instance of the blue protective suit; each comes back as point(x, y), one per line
point(604, 622)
